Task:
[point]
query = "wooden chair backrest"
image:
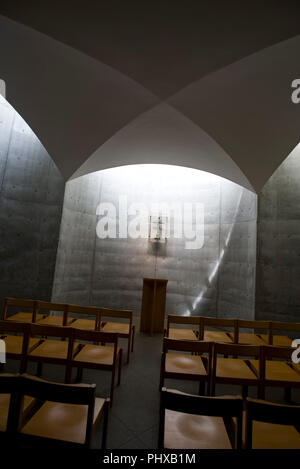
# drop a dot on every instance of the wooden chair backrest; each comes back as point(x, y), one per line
point(14, 327)
point(263, 411)
point(51, 331)
point(271, 351)
point(51, 306)
point(86, 311)
point(116, 313)
point(253, 324)
point(237, 350)
point(229, 406)
point(187, 346)
point(19, 303)
point(189, 320)
point(96, 336)
point(269, 412)
point(285, 326)
point(18, 328)
point(219, 322)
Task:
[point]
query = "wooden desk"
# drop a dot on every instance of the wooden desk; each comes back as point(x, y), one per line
point(153, 305)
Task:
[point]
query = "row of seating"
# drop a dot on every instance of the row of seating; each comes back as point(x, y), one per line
point(72, 348)
point(210, 363)
point(37, 411)
point(94, 318)
point(264, 332)
point(201, 422)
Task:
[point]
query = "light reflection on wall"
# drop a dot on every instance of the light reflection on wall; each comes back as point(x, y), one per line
point(109, 272)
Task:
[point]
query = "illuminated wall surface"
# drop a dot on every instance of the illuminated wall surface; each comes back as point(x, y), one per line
point(278, 263)
point(217, 279)
point(31, 197)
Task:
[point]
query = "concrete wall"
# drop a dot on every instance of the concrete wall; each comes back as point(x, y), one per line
point(278, 266)
point(238, 227)
point(214, 280)
point(31, 197)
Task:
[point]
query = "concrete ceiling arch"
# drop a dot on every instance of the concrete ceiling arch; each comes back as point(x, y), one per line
point(89, 114)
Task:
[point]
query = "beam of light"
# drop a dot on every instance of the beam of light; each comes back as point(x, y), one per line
point(218, 263)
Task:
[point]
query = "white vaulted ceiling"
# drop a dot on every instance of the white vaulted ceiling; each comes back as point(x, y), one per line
point(117, 84)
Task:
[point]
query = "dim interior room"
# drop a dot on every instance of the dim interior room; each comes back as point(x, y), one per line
point(149, 240)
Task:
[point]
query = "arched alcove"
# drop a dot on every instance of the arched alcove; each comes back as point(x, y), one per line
point(217, 278)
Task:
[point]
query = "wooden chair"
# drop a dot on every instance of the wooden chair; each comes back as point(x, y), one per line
point(282, 340)
point(97, 357)
point(180, 333)
point(9, 387)
point(271, 426)
point(280, 372)
point(199, 422)
point(21, 316)
point(53, 351)
point(91, 319)
point(215, 335)
point(18, 346)
point(68, 416)
point(246, 338)
point(124, 330)
point(51, 319)
point(185, 366)
point(235, 370)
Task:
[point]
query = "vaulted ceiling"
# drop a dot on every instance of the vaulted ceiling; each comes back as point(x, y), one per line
point(195, 83)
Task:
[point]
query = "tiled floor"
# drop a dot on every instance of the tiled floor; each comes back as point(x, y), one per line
point(133, 421)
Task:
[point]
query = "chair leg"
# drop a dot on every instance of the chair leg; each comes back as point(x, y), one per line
point(212, 388)
point(128, 348)
point(244, 392)
point(68, 374)
point(79, 375)
point(261, 392)
point(112, 384)
point(105, 425)
point(201, 388)
point(120, 366)
point(288, 395)
point(132, 338)
point(39, 369)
